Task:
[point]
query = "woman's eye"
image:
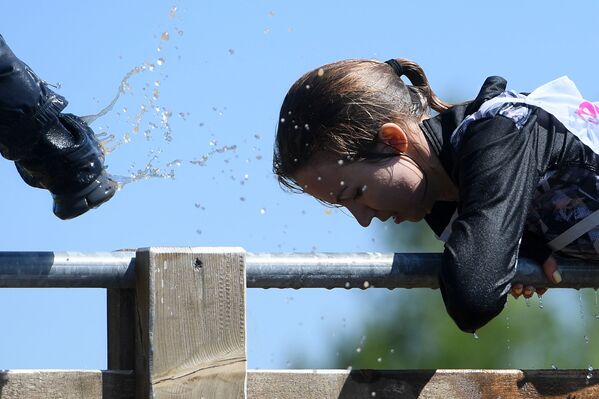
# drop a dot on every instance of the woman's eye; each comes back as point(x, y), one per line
point(359, 192)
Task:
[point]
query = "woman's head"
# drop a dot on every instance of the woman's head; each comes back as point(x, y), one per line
point(337, 111)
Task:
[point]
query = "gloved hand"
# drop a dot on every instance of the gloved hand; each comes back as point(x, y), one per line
point(55, 151)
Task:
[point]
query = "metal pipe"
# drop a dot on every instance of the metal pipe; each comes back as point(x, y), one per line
point(67, 269)
point(271, 270)
point(387, 270)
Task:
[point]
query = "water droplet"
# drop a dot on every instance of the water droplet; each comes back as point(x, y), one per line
point(380, 359)
point(125, 109)
point(266, 31)
point(231, 51)
point(342, 183)
point(176, 162)
point(165, 36)
point(160, 61)
point(319, 178)
point(172, 12)
point(586, 339)
point(554, 367)
point(340, 162)
point(320, 72)
point(391, 350)
point(246, 176)
point(199, 231)
point(373, 394)
point(358, 349)
point(242, 199)
point(282, 120)
point(347, 285)
point(475, 335)
point(262, 211)
point(366, 284)
point(328, 212)
point(271, 14)
point(307, 127)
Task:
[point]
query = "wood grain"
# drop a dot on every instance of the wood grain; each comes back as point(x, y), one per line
point(190, 340)
point(422, 384)
point(66, 384)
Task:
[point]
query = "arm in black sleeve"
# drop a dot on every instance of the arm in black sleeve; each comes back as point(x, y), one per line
point(498, 169)
point(55, 151)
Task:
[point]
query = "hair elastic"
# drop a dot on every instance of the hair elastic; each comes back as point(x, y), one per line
point(396, 66)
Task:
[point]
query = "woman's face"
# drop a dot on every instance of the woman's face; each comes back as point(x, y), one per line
point(394, 187)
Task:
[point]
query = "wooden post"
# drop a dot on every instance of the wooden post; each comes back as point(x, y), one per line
point(120, 307)
point(190, 330)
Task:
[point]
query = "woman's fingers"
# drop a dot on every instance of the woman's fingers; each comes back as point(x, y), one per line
point(517, 290)
point(550, 269)
point(528, 291)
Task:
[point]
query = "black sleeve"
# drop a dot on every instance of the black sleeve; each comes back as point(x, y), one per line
point(27, 105)
point(497, 173)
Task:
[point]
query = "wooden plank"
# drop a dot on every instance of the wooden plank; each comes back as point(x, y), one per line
point(190, 338)
point(422, 384)
point(67, 384)
point(120, 307)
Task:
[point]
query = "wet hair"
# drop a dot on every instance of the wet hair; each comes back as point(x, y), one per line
point(339, 108)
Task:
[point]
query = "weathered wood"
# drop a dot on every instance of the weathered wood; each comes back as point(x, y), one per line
point(422, 384)
point(190, 338)
point(120, 306)
point(67, 384)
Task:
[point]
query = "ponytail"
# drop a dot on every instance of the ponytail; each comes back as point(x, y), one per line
point(417, 77)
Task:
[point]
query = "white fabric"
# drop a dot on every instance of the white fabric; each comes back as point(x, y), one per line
point(560, 98)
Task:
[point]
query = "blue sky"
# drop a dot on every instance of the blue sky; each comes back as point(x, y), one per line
point(225, 69)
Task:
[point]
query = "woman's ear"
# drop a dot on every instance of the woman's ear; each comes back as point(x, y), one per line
point(392, 135)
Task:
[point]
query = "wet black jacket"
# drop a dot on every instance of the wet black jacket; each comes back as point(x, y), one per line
point(496, 169)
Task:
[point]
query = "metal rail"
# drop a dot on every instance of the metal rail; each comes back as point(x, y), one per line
point(270, 270)
point(67, 269)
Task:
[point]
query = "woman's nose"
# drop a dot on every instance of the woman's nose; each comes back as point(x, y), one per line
point(362, 214)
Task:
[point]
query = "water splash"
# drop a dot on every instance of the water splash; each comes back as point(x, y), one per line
point(202, 160)
point(123, 88)
point(147, 172)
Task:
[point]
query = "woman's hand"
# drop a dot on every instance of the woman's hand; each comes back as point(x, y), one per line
point(550, 269)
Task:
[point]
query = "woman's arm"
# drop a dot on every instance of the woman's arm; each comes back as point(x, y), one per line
point(498, 168)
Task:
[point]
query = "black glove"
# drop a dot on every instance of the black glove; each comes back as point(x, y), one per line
point(58, 152)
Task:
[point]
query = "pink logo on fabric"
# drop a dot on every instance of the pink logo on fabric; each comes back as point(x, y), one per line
point(589, 112)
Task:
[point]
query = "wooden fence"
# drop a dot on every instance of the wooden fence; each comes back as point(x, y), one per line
point(176, 329)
